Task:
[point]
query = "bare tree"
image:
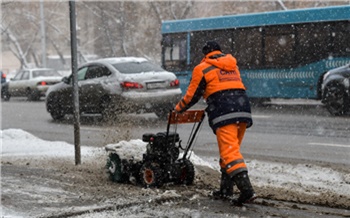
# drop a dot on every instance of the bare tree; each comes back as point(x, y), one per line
point(280, 2)
point(114, 28)
point(17, 50)
point(178, 10)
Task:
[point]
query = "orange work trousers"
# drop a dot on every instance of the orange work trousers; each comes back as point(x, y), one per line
point(229, 139)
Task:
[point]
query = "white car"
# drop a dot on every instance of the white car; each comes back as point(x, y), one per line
point(30, 83)
point(113, 85)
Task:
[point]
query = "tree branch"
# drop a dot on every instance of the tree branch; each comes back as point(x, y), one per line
point(280, 2)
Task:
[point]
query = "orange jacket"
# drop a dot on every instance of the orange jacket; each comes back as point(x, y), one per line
point(215, 73)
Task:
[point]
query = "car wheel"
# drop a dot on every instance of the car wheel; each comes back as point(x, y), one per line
point(54, 108)
point(35, 96)
point(162, 113)
point(107, 112)
point(29, 94)
point(151, 175)
point(5, 95)
point(186, 175)
point(32, 95)
point(335, 99)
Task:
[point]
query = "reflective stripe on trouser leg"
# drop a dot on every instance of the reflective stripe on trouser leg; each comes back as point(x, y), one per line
point(229, 138)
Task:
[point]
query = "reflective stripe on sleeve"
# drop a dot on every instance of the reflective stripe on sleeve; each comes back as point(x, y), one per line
point(182, 104)
point(206, 70)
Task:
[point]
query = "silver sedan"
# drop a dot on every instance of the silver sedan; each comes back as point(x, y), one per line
point(113, 85)
point(30, 83)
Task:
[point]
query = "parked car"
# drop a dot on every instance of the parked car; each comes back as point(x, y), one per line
point(336, 90)
point(30, 83)
point(113, 85)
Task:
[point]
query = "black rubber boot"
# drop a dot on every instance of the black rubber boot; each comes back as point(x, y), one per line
point(226, 187)
point(247, 192)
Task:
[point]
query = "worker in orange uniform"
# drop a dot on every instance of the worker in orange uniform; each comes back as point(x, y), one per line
point(217, 79)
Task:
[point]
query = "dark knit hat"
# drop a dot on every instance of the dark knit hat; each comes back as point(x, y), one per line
point(210, 46)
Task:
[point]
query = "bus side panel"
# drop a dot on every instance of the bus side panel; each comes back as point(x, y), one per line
point(299, 82)
point(279, 84)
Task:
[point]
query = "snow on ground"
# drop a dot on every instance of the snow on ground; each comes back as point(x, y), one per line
point(314, 180)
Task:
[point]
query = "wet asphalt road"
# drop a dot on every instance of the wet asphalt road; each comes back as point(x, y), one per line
point(301, 132)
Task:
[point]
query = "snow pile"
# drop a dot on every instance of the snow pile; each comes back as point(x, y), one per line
point(16, 142)
point(300, 177)
point(132, 149)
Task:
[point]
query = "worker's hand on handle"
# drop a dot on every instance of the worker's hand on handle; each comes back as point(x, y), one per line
point(177, 109)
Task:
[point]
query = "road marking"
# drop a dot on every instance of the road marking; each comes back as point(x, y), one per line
point(97, 128)
point(328, 144)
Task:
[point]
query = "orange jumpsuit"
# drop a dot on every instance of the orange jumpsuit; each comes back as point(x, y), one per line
point(217, 79)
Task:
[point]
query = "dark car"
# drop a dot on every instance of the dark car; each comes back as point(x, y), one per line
point(3, 82)
point(3, 77)
point(336, 90)
point(113, 85)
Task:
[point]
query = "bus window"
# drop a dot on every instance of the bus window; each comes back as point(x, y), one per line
point(279, 46)
point(247, 47)
point(314, 42)
point(175, 52)
point(198, 39)
point(340, 37)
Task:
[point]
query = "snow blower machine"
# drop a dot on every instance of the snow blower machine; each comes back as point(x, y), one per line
point(161, 161)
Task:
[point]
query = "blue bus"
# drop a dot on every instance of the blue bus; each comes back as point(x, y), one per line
point(281, 54)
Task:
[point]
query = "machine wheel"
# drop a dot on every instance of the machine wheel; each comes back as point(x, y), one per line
point(114, 168)
point(186, 175)
point(335, 99)
point(174, 153)
point(55, 109)
point(151, 175)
